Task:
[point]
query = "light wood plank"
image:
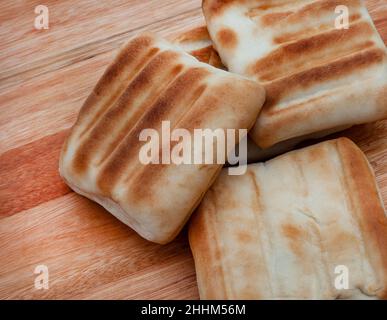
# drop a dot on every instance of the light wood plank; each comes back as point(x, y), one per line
point(89, 254)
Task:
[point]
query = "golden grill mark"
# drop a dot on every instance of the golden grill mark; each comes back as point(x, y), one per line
point(334, 70)
point(141, 109)
point(146, 177)
point(309, 32)
point(133, 58)
point(273, 18)
point(165, 107)
point(106, 124)
point(216, 7)
point(227, 38)
point(319, 8)
point(320, 49)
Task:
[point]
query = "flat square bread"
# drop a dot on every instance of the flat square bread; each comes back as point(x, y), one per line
point(283, 229)
point(151, 81)
point(318, 78)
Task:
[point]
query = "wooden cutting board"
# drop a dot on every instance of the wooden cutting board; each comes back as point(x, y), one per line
point(44, 77)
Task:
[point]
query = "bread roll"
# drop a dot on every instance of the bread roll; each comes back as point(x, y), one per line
point(320, 74)
point(151, 81)
point(294, 228)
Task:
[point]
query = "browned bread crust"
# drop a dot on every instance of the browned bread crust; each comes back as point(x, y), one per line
point(317, 77)
point(151, 81)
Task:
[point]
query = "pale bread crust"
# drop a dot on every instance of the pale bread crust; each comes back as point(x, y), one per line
point(279, 231)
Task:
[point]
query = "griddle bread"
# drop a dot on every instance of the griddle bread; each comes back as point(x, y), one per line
point(151, 81)
point(280, 230)
point(318, 78)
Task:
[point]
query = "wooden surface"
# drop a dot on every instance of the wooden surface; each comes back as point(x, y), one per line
point(44, 78)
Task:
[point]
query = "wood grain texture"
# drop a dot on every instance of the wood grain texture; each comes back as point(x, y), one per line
point(44, 78)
